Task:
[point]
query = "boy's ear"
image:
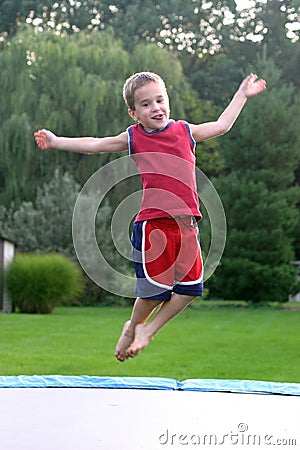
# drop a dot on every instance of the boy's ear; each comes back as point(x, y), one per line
point(132, 114)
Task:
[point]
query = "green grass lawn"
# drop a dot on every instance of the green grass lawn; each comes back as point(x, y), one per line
point(255, 344)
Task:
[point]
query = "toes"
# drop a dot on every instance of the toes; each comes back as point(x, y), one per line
point(123, 343)
point(120, 357)
point(132, 352)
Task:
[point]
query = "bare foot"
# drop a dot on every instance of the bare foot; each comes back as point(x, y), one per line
point(141, 340)
point(126, 338)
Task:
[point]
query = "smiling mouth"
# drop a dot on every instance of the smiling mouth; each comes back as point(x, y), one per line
point(158, 117)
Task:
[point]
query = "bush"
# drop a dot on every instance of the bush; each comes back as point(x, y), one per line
point(94, 295)
point(38, 283)
point(251, 281)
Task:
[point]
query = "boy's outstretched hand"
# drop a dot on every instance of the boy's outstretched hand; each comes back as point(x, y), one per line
point(251, 85)
point(45, 139)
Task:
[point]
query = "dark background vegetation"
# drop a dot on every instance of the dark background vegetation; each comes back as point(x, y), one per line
point(62, 67)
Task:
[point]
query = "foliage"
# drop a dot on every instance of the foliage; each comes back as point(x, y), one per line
point(38, 283)
point(88, 250)
point(73, 86)
point(197, 27)
point(53, 76)
point(254, 281)
point(65, 84)
point(261, 207)
point(44, 225)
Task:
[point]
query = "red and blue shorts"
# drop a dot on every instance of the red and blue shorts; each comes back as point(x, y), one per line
point(167, 258)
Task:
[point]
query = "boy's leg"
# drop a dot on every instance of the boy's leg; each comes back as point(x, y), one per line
point(142, 309)
point(144, 332)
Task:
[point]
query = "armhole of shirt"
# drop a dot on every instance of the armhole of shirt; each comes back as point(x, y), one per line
point(187, 125)
point(130, 141)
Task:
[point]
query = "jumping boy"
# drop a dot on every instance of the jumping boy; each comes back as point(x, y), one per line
point(166, 251)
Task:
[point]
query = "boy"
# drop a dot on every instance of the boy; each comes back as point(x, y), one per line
point(166, 250)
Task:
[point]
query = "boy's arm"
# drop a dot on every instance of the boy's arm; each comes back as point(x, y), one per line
point(250, 86)
point(46, 140)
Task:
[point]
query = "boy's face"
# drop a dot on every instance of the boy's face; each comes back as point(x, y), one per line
point(151, 104)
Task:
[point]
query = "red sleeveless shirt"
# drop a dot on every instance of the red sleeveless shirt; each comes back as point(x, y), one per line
point(166, 162)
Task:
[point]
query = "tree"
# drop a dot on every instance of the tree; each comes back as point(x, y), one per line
point(279, 21)
point(271, 26)
point(73, 86)
point(194, 26)
point(175, 24)
point(44, 225)
point(260, 196)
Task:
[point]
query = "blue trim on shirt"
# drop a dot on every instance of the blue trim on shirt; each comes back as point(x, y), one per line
point(187, 125)
point(130, 141)
point(158, 131)
point(171, 121)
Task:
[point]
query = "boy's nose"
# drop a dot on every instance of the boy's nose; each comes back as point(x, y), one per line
point(155, 106)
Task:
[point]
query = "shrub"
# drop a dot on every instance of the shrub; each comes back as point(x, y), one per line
point(251, 281)
point(38, 283)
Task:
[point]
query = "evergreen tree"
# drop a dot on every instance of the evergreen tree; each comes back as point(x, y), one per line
point(44, 225)
point(260, 196)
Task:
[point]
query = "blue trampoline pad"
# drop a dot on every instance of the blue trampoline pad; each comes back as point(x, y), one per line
point(202, 385)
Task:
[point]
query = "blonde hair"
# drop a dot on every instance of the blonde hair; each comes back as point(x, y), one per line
point(138, 80)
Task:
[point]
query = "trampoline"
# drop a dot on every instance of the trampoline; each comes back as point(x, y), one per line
point(132, 413)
